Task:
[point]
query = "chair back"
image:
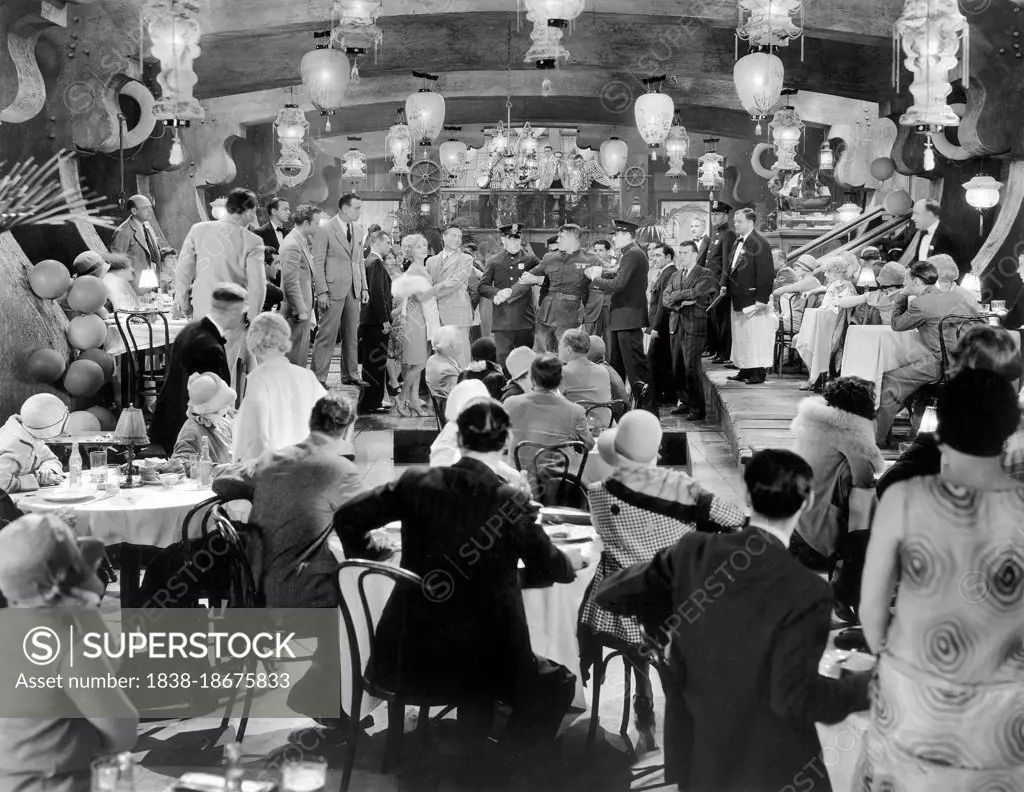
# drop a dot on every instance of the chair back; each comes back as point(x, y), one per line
point(439, 403)
point(607, 413)
point(950, 329)
point(363, 589)
point(136, 330)
point(637, 394)
point(786, 324)
point(242, 587)
point(551, 474)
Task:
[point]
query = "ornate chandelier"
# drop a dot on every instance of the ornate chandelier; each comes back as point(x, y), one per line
point(454, 154)
point(354, 162)
point(356, 30)
point(399, 144)
point(711, 168)
point(982, 194)
point(677, 144)
point(325, 75)
point(758, 78)
point(931, 32)
point(770, 23)
point(614, 155)
point(827, 160)
point(425, 111)
point(654, 112)
point(786, 129)
point(290, 127)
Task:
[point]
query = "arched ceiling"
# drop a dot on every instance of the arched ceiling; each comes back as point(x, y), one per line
point(251, 50)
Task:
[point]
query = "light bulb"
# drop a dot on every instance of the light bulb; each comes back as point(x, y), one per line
point(757, 129)
point(675, 187)
point(545, 87)
point(654, 155)
point(400, 185)
point(929, 156)
point(327, 126)
point(177, 154)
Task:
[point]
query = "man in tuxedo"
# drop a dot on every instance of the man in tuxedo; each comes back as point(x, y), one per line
point(137, 239)
point(375, 325)
point(717, 262)
point(659, 352)
point(273, 234)
point(628, 309)
point(750, 276)
point(698, 228)
point(297, 280)
point(687, 296)
point(931, 237)
point(451, 270)
point(198, 349)
point(223, 251)
point(340, 290)
point(513, 319)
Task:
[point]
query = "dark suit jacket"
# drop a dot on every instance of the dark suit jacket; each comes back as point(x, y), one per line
point(378, 282)
point(943, 241)
point(502, 271)
point(697, 285)
point(746, 641)
point(199, 348)
point(628, 287)
point(656, 313)
point(702, 250)
point(464, 632)
point(266, 233)
point(750, 281)
point(719, 248)
point(1012, 291)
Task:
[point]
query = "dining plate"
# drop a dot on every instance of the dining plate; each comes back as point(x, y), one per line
point(569, 534)
point(557, 514)
point(67, 496)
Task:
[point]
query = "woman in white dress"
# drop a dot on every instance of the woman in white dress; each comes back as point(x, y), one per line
point(419, 321)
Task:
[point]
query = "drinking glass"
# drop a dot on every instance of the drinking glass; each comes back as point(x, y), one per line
point(113, 485)
point(98, 467)
point(998, 305)
point(191, 465)
point(306, 775)
point(106, 773)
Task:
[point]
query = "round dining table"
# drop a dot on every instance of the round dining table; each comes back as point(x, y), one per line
point(814, 341)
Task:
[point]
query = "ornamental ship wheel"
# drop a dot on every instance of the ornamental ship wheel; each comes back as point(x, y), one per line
point(426, 177)
point(636, 176)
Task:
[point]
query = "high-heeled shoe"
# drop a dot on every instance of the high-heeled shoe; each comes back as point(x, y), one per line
point(415, 409)
point(401, 408)
point(392, 389)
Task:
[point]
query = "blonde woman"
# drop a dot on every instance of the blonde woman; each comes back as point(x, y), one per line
point(419, 321)
point(841, 270)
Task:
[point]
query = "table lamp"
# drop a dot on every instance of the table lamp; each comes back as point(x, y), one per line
point(130, 432)
point(929, 420)
point(866, 279)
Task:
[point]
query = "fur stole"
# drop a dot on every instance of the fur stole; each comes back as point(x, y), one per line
point(852, 436)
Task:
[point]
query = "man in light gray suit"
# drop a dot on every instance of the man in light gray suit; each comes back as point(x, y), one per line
point(137, 239)
point(297, 279)
point(451, 270)
point(223, 251)
point(340, 282)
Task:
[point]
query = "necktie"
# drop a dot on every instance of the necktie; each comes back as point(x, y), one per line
point(348, 231)
point(154, 254)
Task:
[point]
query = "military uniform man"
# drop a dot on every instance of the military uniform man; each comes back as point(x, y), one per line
point(514, 317)
point(561, 308)
point(720, 317)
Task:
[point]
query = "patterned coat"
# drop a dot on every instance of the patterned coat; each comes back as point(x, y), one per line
point(637, 512)
point(697, 285)
point(451, 271)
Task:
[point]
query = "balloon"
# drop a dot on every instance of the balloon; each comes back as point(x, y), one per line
point(46, 365)
point(49, 279)
point(882, 168)
point(899, 203)
point(105, 417)
point(102, 314)
point(87, 332)
point(100, 358)
point(84, 378)
point(82, 422)
point(87, 295)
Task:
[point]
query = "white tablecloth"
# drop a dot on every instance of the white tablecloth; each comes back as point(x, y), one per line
point(149, 516)
point(871, 350)
point(115, 344)
point(814, 341)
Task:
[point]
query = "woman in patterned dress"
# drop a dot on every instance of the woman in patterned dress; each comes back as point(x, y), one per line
point(637, 511)
point(947, 709)
point(393, 265)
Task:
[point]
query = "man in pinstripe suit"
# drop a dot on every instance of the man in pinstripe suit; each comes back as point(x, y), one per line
point(687, 296)
point(450, 270)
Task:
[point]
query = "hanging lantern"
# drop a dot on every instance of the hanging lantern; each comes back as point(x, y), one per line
point(425, 112)
point(356, 31)
point(827, 159)
point(399, 144)
point(711, 167)
point(425, 208)
point(291, 125)
point(982, 194)
point(786, 128)
point(847, 213)
point(677, 143)
point(614, 154)
point(770, 23)
point(931, 32)
point(758, 78)
point(453, 155)
point(174, 30)
point(546, 48)
point(555, 13)
point(354, 163)
point(325, 75)
point(654, 112)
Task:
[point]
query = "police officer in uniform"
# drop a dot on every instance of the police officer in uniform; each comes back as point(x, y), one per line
point(513, 320)
point(561, 308)
point(720, 317)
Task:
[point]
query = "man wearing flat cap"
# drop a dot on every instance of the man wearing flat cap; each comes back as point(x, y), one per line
point(137, 239)
point(628, 311)
point(514, 318)
point(561, 308)
point(720, 317)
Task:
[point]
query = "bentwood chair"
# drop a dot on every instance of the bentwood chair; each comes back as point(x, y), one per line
point(551, 474)
point(147, 359)
point(612, 410)
point(785, 336)
point(439, 403)
point(361, 631)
